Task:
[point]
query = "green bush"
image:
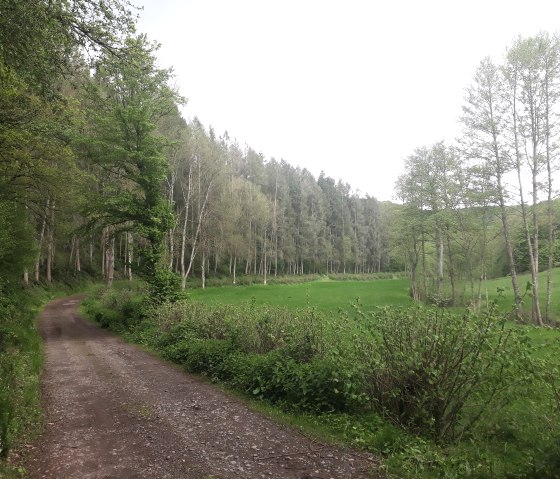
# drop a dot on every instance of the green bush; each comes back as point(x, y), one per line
point(199, 356)
point(468, 388)
point(165, 286)
point(7, 403)
point(250, 328)
point(437, 373)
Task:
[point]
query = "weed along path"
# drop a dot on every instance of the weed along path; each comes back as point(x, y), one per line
point(115, 411)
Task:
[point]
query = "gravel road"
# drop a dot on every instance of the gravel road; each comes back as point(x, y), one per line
point(115, 411)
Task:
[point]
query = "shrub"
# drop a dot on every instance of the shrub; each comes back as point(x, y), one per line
point(165, 286)
point(437, 374)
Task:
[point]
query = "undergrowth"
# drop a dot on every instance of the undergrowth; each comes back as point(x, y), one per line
point(437, 394)
point(247, 280)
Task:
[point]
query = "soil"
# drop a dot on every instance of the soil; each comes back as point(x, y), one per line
point(115, 411)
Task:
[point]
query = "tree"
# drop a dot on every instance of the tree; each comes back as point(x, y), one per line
point(531, 71)
point(40, 39)
point(485, 144)
point(126, 99)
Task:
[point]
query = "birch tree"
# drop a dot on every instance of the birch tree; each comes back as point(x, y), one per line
point(485, 142)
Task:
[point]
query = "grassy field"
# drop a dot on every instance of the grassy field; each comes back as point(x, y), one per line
point(325, 295)
point(505, 298)
point(328, 295)
point(332, 296)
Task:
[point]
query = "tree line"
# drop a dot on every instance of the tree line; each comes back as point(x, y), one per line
point(109, 177)
point(101, 173)
point(489, 200)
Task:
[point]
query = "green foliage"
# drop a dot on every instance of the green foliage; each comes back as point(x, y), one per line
point(165, 286)
point(16, 239)
point(522, 260)
point(268, 352)
point(125, 102)
point(39, 39)
point(437, 373)
point(20, 364)
point(440, 395)
point(34, 149)
point(118, 308)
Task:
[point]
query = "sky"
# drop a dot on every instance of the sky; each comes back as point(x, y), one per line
point(348, 87)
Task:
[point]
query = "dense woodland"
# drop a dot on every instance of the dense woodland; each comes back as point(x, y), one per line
point(101, 174)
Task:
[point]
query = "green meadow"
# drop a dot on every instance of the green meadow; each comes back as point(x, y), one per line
point(501, 290)
point(325, 295)
point(330, 295)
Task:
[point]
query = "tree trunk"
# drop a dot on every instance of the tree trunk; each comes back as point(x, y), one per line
point(439, 273)
point(451, 271)
point(276, 226)
point(40, 241)
point(535, 310)
point(182, 252)
point(50, 245)
point(130, 253)
point(550, 245)
point(414, 269)
point(424, 268)
point(78, 264)
point(103, 252)
point(187, 199)
point(110, 261)
point(264, 256)
point(203, 269)
point(72, 252)
point(200, 220)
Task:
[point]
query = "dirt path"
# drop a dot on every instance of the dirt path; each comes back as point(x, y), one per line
point(114, 411)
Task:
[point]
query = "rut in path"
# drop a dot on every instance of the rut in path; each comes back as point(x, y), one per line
point(115, 411)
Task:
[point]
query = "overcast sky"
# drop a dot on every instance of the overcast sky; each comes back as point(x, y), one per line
point(349, 87)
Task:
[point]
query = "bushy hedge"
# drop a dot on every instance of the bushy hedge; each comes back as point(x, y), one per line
point(291, 357)
point(426, 369)
point(445, 377)
point(247, 280)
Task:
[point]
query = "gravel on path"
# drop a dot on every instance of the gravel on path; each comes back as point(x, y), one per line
point(115, 411)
